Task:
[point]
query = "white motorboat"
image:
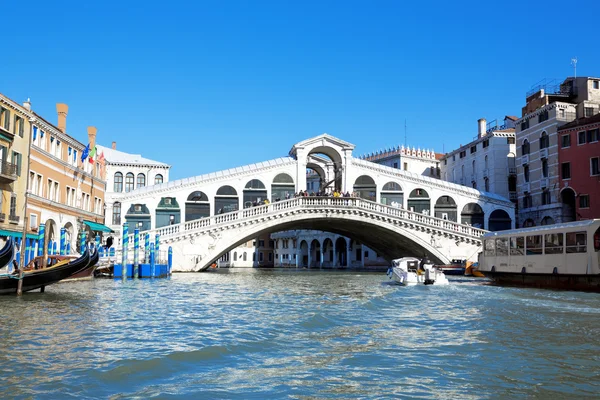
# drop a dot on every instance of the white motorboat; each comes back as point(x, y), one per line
point(414, 271)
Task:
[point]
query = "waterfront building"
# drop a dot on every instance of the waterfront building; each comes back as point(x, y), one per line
point(548, 107)
point(579, 155)
point(126, 172)
point(416, 160)
point(487, 163)
point(66, 189)
point(15, 136)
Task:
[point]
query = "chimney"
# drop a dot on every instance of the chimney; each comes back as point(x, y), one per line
point(114, 145)
point(27, 104)
point(92, 136)
point(482, 126)
point(62, 110)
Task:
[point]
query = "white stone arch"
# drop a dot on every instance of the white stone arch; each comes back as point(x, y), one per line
point(52, 233)
point(70, 235)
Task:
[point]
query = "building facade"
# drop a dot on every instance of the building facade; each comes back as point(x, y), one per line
point(578, 156)
point(547, 109)
point(65, 189)
point(15, 136)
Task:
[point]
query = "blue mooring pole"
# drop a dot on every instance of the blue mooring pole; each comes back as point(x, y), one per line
point(170, 260)
point(152, 261)
point(136, 253)
point(124, 245)
point(41, 238)
point(63, 241)
point(147, 248)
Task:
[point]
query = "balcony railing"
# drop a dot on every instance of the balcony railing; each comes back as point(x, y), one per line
point(544, 182)
point(527, 187)
point(525, 159)
point(544, 153)
point(14, 219)
point(8, 171)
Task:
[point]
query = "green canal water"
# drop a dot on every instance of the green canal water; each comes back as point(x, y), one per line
point(258, 334)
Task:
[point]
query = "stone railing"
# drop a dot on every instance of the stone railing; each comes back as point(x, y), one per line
point(311, 203)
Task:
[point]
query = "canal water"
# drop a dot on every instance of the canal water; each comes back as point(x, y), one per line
point(298, 334)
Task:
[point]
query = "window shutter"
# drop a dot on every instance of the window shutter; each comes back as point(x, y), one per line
point(21, 127)
point(19, 158)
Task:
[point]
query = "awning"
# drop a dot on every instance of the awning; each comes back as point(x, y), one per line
point(18, 235)
point(96, 227)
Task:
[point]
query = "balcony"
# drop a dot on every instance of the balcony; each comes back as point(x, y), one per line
point(544, 153)
point(527, 187)
point(14, 219)
point(525, 159)
point(8, 172)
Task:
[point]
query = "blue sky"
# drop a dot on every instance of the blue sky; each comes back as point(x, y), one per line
point(209, 85)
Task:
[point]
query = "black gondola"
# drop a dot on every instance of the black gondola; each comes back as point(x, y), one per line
point(7, 252)
point(36, 279)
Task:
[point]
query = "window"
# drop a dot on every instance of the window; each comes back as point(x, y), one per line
point(141, 180)
point(13, 205)
point(588, 112)
point(473, 149)
point(118, 182)
point(545, 168)
point(6, 115)
point(526, 172)
point(527, 200)
point(406, 166)
point(581, 137)
point(19, 125)
point(544, 141)
point(525, 125)
point(553, 243)
point(565, 141)
point(158, 179)
point(395, 165)
point(594, 167)
point(510, 140)
point(592, 135)
point(489, 248)
point(576, 242)
point(596, 84)
point(561, 112)
point(525, 147)
point(116, 217)
point(502, 247)
point(486, 183)
point(17, 160)
point(584, 201)
point(486, 143)
point(546, 197)
point(517, 246)
point(566, 170)
point(463, 154)
point(128, 182)
point(534, 244)
point(33, 224)
point(543, 116)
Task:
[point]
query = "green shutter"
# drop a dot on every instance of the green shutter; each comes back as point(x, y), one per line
point(21, 127)
point(19, 158)
point(6, 119)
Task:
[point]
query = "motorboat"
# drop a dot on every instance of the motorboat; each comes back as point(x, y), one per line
point(414, 271)
point(456, 267)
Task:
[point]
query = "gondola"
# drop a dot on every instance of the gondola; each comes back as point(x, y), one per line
point(7, 252)
point(88, 271)
point(39, 278)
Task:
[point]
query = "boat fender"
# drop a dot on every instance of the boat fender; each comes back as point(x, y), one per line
point(493, 268)
point(555, 271)
point(523, 270)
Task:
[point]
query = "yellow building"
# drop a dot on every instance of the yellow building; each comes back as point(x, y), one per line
point(15, 131)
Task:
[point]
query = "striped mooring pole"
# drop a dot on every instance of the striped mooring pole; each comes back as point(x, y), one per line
point(63, 240)
point(97, 242)
point(136, 252)
point(170, 260)
point(124, 246)
point(82, 241)
point(152, 261)
point(156, 246)
point(41, 238)
point(147, 248)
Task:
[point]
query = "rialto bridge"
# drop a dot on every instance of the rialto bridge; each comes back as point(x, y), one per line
point(395, 213)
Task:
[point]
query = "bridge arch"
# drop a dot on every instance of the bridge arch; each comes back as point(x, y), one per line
point(282, 187)
point(392, 195)
point(255, 193)
point(472, 214)
point(499, 221)
point(226, 200)
point(419, 201)
point(365, 188)
point(445, 208)
point(197, 205)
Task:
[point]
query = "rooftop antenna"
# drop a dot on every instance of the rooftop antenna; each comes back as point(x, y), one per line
point(574, 63)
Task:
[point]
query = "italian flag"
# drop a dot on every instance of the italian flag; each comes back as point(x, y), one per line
point(92, 155)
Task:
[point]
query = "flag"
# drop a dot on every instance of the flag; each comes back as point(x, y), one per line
point(85, 153)
point(92, 155)
point(102, 163)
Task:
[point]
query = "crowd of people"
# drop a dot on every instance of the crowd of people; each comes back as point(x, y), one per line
point(306, 193)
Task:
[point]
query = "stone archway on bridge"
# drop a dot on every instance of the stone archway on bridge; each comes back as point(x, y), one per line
point(419, 201)
point(255, 193)
point(445, 208)
point(304, 250)
point(283, 187)
point(197, 206)
point(472, 214)
point(365, 188)
point(315, 253)
point(327, 252)
point(392, 195)
point(341, 252)
point(226, 200)
point(499, 221)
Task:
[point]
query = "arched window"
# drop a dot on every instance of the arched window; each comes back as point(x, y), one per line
point(235, 256)
point(118, 182)
point(487, 184)
point(128, 182)
point(544, 141)
point(141, 180)
point(486, 162)
point(525, 147)
point(116, 219)
point(158, 179)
